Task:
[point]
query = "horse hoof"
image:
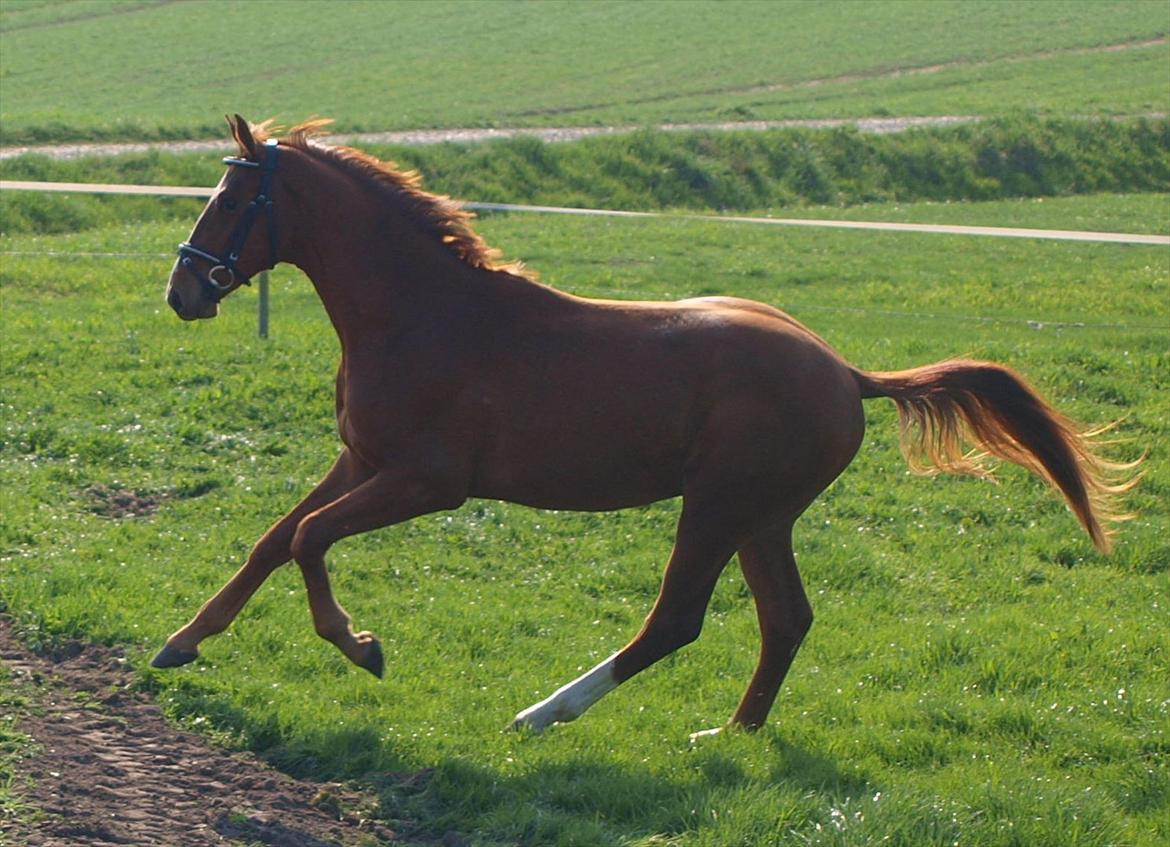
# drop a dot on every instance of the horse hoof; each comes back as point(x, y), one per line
point(697, 737)
point(374, 661)
point(172, 657)
point(520, 724)
point(528, 722)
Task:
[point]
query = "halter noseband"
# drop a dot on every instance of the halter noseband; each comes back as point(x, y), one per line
point(188, 252)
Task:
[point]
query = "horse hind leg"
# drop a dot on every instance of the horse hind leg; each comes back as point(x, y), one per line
point(785, 616)
point(700, 553)
point(784, 613)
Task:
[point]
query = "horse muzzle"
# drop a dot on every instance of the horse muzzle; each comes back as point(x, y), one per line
point(185, 297)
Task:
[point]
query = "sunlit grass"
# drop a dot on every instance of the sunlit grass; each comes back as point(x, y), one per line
point(977, 673)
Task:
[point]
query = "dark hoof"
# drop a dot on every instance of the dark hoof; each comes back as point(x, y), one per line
point(374, 662)
point(172, 657)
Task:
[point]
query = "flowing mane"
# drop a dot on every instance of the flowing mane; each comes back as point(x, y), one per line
point(438, 214)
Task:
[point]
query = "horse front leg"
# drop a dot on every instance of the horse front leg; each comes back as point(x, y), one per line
point(388, 497)
point(270, 552)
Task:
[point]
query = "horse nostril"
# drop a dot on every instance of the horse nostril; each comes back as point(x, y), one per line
point(174, 300)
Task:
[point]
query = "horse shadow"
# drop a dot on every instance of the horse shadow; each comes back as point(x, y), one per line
point(586, 789)
point(578, 790)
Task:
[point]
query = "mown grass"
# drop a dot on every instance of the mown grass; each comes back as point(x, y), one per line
point(127, 70)
point(732, 171)
point(977, 673)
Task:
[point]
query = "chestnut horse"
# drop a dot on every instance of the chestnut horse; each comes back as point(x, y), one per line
point(464, 377)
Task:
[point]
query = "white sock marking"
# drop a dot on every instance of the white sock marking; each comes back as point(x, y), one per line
point(570, 701)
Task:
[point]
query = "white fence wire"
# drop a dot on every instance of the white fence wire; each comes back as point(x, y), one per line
point(884, 226)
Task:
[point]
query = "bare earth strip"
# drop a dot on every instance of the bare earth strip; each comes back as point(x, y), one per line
point(106, 768)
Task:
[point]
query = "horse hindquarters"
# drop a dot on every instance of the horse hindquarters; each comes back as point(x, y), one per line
point(763, 455)
point(939, 406)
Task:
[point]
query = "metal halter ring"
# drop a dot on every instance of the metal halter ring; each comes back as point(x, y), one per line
point(222, 286)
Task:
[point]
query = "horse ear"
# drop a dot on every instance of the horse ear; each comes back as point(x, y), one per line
point(242, 133)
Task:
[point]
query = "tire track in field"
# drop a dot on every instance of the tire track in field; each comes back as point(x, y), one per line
point(473, 134)
point(895, 73)
point(870, 75)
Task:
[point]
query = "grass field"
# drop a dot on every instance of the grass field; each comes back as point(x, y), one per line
point(170, 70)
point(976, 675)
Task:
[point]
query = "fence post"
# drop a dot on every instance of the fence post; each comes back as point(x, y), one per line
point(263, 308)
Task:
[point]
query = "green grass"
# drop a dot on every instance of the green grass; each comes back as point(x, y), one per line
point(1137, 213)
point(977, 673)
point(13, 746)
point(169, 70)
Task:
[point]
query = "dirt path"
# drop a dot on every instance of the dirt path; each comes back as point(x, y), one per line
point(107, 769)
point(438, 136)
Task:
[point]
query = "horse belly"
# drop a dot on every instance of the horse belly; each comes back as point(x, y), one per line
point(579, 474)
point(586, 449)
point(741, 389)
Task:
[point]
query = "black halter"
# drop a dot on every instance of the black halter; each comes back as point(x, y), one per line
point(188, 252)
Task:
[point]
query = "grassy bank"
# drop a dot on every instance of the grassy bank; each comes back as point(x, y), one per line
point(736, 171)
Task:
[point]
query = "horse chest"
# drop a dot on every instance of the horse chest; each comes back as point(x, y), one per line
point(384, 417)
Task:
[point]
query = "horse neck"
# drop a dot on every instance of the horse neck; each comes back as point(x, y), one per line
point(373, 270)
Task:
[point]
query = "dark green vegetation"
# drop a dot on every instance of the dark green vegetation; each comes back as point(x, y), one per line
point(977, 673)
point(169, 70)
point(734, 171)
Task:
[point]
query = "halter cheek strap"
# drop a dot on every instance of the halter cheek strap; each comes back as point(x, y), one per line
point(223, 275)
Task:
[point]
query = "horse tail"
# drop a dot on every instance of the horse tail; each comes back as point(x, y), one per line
point(943, 407)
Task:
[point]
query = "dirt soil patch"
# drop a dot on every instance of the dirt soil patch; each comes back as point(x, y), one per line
point(106, 768)
point(110, 502)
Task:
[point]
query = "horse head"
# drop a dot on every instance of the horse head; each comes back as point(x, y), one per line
point(226, 248)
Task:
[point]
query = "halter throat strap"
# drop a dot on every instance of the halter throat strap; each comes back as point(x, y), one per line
point(223, 275)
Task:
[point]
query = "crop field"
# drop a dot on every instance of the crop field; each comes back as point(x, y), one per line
point(170, 70)
point(977, 673)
